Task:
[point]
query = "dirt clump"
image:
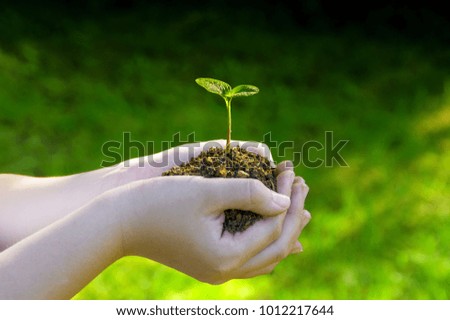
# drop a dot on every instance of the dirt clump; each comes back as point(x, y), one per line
point(236, 163)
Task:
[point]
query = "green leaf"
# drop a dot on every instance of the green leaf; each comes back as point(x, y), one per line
point(244, 90)
point(215, 86)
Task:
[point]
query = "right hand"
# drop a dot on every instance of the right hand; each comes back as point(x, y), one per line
point(178, 220)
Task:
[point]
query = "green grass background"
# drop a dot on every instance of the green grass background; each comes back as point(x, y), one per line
point(380, 227)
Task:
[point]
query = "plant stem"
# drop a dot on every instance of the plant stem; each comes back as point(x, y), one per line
point(228, 103)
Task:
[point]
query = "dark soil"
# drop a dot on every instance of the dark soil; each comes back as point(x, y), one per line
point(237, 163)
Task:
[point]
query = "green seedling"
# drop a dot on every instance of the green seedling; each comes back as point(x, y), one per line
point(224, 90)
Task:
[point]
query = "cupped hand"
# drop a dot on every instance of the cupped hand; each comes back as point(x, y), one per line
point(154, 165)
point(178, 221)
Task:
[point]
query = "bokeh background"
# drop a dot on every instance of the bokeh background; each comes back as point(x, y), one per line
point(75, 74)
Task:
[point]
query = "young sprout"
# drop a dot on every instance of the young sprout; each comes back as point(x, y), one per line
point(224, 90)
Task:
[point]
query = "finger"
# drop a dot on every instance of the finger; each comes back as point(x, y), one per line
point(257, 147)
point(166, 159)
point(283, 166)
point(244, 194)
point(284, 182)
point(297, 248)
point(259, 236)
point(284, 186)
point(296, 214)
point(259, 272)
point(248, 244)
point(306, 218)
point(272, 227)
point(251, 146)
point(268, 269)
point(300, 180)
point(282, 247)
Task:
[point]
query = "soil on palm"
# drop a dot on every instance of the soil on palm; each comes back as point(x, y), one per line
point(236, 163)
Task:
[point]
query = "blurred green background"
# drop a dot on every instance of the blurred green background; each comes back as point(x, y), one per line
point(74, 75)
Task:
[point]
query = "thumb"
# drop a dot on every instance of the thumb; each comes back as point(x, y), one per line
point(244, 194)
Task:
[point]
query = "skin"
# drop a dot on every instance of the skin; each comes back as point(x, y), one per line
point(57, 234)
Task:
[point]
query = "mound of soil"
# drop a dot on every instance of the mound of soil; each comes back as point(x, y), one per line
point(237, 163)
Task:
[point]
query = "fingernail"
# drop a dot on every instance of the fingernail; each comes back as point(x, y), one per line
point(289, 165)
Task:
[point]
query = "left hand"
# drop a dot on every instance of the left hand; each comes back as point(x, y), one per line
point(154, 165)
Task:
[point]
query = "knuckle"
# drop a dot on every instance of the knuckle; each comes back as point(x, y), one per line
point(299, 180)
point(307, 215)
point(306, 187)
point(280, 255)
point(220, 274)
point(216, 273)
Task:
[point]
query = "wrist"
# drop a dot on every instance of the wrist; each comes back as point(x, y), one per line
point(109, 213)
point(133, 206)
point(130, 171)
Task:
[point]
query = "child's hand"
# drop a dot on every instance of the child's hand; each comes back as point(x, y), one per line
point(154, 165)
point(178, 222)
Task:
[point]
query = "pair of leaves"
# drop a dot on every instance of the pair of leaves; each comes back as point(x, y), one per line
point(224, 90)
